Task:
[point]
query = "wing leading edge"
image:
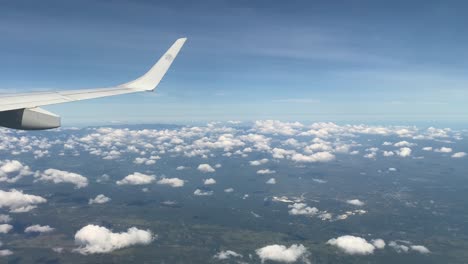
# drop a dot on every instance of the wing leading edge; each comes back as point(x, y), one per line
point(147, 82)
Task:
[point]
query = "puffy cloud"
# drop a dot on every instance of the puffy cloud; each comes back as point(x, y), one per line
point(316, 157)
point(146, 161)
point(427, 148)
point(205, 168)
point(5, 228)
point(355, 202)
point(420, 249)
point(404, 152)
point(99, 199)
point(13, 170)
point(277, 127)
point(352, 245)
point(97, 239)
point(266, 171)
point(405, 246)
point(5, 252)
point(443, 150)
point(388, 153)
point(403, 144)
point(38, 229)
point(173, 182)
point(59, 176)
point(398, 247)
point(258, 162)
point(199, 192)
point(19, 202)
point(459, 155)
point(226, 254)
point(209, 181)
point(281, 253)
point(5, 218)
point(228, 190)
point(137, 179)
point(181, 168)
point(378, 243)
point(271, 181)
point(302, 209)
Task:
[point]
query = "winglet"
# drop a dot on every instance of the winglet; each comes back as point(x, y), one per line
point(150, 80)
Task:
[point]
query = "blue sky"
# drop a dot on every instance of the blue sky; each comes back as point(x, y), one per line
point(342, 61)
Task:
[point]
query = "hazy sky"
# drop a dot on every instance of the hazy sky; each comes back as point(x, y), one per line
point(345, 61)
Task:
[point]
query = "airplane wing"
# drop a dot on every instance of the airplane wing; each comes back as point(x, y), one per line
point(14, 106)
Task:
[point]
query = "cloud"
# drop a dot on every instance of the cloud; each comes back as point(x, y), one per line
point(427, 148)
point(59, 176)
point(226, 254)
point(420, 249)
point(173, 182)
point(266, 171)
point(378, 243)
point(277, 127)
point(13, 170)
point(5, 228)
point(405, 246)
point(209, 181)
point(404, 152)
point(258, 162)
point(137, 179)
point(271, 181)
point(199, 192)
point(5, 218)
point(316, 157)
point(5, 252)
point(38, 229)
point(228, 190)
point(302, 209)
point(281, 253)
point(205, 168)
point(94, 239)
point(19, 202)
point(355, 202)
point(100, 199)
point(443, 150)
point(352, 245)
point(398, 247)
point(459, 155)
point(403, 144)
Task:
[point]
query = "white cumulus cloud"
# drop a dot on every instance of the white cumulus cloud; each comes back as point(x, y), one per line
point(209, 181)
point(352, 245)
point(97, 239)
point(355, 202)
point(5, 228)
point(137, 179)
point(226, 254)
point(99, 199)
point(459, 155)
point(59, 176)
point(19, 202)
point(173, 182)
point(281, 253)
point(38, 229)
point(205, 168)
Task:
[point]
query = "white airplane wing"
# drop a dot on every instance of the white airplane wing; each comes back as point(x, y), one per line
point(14, 105)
